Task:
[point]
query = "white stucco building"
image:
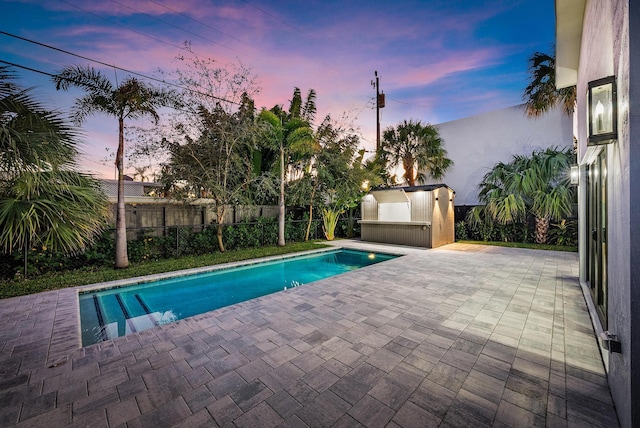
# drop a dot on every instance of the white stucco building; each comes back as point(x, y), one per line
point(598, 39)
point(477, 143)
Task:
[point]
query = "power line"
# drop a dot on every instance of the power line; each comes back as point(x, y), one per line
point(46, 73)
point(274, 17)
point(125, 27)
point(26, 68)
point(173, 25)
point(409, 104)
point(201, 23)
point(366, 105)
point(164, 82)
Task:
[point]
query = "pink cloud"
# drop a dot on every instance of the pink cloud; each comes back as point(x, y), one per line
point(453, 62)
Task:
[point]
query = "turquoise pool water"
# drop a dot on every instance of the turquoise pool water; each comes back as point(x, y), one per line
point(105, 314)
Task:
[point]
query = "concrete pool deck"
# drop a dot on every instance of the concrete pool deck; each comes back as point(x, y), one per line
point(462, 335)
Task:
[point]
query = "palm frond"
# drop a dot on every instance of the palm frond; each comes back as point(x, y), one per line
point(61, 210)
point(541, 94)
point(31, 136)
point(86, 78)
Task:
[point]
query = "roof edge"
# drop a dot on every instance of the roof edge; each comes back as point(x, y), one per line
point(569, 22)
point(416, 188)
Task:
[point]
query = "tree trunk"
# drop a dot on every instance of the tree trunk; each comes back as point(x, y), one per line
point(219, 235)
point(306, 235)
point(409, 172)
point(281, 207)
point(350, 223)
point(542, 230)
point(220, 219)
point(313, 193)
point(122, 259)
point(26, 254)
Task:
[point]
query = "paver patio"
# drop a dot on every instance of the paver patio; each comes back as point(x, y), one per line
point(462, 335)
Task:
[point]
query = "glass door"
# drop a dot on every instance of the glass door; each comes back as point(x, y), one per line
point(597, 233)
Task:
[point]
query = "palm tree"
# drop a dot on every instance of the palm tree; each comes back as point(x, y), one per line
point(537, 184)
point(31, 136)
point(58, 209)
point(132, 99)
point(416, 145)
point(43, 200)
point(290, 133)
point(541, 93)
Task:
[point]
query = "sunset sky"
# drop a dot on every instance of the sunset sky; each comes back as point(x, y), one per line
point(438, 60)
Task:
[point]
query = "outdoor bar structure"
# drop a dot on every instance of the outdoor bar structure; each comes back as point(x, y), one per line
point(419, 216)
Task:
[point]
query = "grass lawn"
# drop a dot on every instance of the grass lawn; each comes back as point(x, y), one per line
point(56, 280)
point(530, 246)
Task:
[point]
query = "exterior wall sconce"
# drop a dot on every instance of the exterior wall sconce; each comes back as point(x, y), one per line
point(602, 111)
point(575, 175)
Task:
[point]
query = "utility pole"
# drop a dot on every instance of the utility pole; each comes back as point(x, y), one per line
point(379, 105)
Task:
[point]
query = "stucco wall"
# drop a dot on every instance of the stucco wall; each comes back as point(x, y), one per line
point(477, 143)
point(627, 42)
point(605, 52)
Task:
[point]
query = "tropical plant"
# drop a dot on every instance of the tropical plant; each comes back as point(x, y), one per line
point(330, 219)
point(461, 231)
point(416, 146)
point(537, 184)
point(291, 135)
point(564, 233)
point(56, 209)
point(44, 202)
point(131, 99)
point(342, 176)
point(541, 94)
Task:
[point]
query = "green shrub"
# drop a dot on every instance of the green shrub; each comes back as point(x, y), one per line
point(564, 233)
point(479, 226)
point(242, 235)
point(461, 231)
point(174, 242)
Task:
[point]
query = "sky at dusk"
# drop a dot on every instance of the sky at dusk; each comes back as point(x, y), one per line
point(438, 60)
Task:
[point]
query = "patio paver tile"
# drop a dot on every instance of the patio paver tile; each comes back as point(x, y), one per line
point(471, 335)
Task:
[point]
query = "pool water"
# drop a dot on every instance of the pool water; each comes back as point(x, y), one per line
point(105, 314)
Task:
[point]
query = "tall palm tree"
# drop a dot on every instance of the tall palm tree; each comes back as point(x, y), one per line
point(541, 94)
point(43, 200)
point(537, 184)
point(416, 146)
point(290, 133)
point(131, 99)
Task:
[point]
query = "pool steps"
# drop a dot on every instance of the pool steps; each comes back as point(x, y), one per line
point(132, 324)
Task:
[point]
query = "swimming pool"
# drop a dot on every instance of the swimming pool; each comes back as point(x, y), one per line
point(114, 312)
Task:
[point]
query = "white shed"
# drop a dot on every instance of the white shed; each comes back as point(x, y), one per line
point(420, 216)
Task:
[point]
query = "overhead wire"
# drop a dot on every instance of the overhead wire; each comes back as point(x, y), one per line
point(164, 82)
point(46, 73)
point(201, 23)
point(153, 38)
point(275, 17)
point(127, 28)
point(409, 104)
point(24, 67)
point(172, 25)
